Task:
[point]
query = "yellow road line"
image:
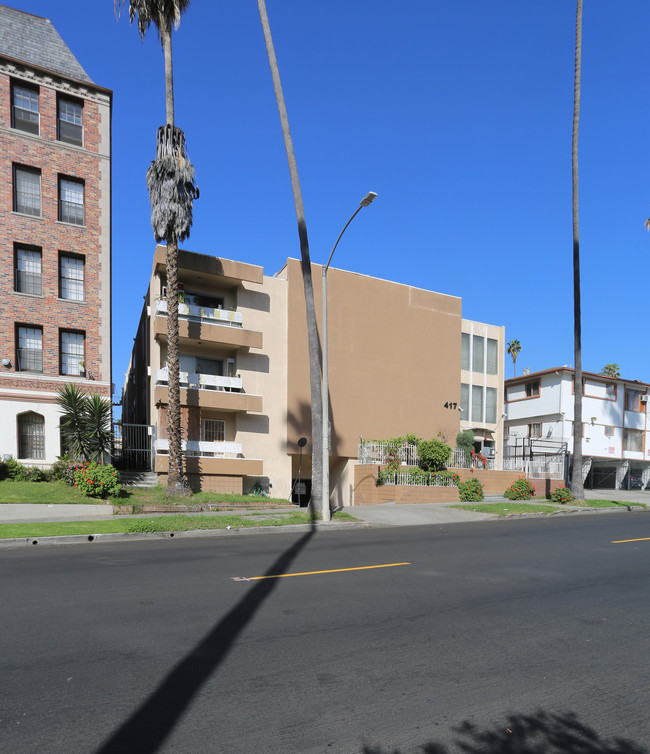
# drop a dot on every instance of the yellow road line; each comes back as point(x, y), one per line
point(333, 570)
point(622, 541)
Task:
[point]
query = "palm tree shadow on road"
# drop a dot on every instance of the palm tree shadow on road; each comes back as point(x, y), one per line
point(539, 733)
point(147, 728)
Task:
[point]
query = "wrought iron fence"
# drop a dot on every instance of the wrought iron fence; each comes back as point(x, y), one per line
point(403, 478)
point(132, 444)
point(384, 453)
point(462, 459)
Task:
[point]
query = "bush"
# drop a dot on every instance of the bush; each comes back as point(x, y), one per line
point(35, 474)
point(470, 491)
point(64, 468)
point(521, 489)
point(97, 480)
point(433, 455)
point(465, 440)
point(562, 495)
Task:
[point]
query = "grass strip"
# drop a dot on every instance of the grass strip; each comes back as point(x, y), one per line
point(152, 524)
point(44, 493)
point(508, 509)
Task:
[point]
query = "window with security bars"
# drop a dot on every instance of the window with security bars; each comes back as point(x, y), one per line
point(29, 275)
point(29, 354)
point(72, 352)
point(27, 190)
point(71, 201)
point(70, 122)
point(25, 116)
point(213, 430)
point(71, 277)
point(31, 435)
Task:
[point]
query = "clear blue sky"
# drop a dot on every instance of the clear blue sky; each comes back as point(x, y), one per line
point(458, 115)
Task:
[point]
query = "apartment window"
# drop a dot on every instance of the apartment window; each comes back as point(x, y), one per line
point(71, 201)
point(70, 122)
point(464, 401)
point(71, 277)
point(27, 190)
point(492, 366)
point(29, 354)
point(28, 272)
point(464, 351)
point(477, 353)
point(632, 400)
point(477, 404)
point(532, 389)
point(31, 435)
point(535, 429)
point(633, 440)
point(491, 405)
point(72, 346)
point(609, 431)
point(213, 430)
point(24, 112)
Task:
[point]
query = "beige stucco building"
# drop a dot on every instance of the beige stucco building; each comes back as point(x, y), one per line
point(394, 368)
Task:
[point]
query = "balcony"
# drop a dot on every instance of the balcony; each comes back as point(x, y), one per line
point(208, 391)
point(219, 326)
point(200, 457)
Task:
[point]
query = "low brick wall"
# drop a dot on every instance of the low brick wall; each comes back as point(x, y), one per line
point(366, 491)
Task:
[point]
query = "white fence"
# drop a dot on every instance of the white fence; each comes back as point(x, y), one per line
point(383, 453)
point(459, 460)
point(402, 478)
point(537, 468)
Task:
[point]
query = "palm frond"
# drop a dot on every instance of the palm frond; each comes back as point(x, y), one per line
point(161, 13)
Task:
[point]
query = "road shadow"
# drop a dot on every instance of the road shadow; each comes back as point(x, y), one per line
point(539, 733)
point(147, 728)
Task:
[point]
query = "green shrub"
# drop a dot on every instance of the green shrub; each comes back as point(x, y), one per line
point(16, 471)
point(521, 489)
point(97, 480)
point(433, 455)
point(470, 491)
point(465, 440)
point(35, 474)
point(562, 495)
point(4, 471)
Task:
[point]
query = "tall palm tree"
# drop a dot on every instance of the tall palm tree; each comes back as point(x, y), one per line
point(514, 346)
point(312, 330)
point(172, 190)
point(577, 485)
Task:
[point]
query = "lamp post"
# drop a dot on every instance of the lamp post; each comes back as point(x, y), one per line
point(367, 199)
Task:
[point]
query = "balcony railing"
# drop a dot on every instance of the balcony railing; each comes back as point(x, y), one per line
point(201, 381)
point(204, 449)
point(203, 313)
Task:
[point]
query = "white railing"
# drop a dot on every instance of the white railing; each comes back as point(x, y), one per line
point(201, 381)
point(538, 468)
point(459, 460)
point(402, 478)
point(384, 453)
point(201, 313)
point(206, 449)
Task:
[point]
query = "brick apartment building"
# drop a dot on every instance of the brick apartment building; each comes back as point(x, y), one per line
point(55, 234)
point(395, 356)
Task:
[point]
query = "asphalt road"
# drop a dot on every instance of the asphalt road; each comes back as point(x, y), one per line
point(522, 637)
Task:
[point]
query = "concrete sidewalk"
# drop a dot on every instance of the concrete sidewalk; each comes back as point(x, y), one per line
point(390, 514)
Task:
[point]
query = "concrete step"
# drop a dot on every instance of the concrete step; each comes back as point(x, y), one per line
point(142, 479)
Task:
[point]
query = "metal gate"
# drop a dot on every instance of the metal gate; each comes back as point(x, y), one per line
point(132, 446)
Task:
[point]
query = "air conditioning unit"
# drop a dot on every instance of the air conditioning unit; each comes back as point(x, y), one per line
point(644, 398)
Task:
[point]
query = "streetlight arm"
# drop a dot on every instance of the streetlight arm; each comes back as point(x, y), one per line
point(359, 208)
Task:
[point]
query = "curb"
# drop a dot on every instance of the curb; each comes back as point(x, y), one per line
point(79, 539)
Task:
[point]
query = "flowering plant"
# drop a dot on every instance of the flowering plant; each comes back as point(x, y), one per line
point(479, 458)
point(521, 489)
point(97, 480)
point(563, 495)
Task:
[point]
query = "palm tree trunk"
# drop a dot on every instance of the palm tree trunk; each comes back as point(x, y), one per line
point(312, 330)
point(577, 486)
point(175, 479)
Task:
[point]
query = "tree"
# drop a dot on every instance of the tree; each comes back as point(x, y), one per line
point(611, 370)
point(312, 331)
point(172, 190)
point(85, 423)
point(577, 484)
point(514, 346)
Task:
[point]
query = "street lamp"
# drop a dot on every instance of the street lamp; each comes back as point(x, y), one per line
point(367, 199)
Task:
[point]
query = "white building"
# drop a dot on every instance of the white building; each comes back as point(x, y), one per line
point(615, 442)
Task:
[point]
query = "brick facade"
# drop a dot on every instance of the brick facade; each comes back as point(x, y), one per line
point(53, 159)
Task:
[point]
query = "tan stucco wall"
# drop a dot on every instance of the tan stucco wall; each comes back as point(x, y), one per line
point(393, 356)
